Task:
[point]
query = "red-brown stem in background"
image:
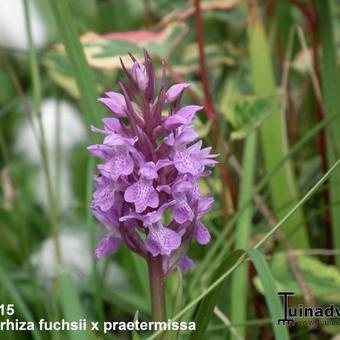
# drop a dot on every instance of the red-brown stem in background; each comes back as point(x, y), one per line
point(311, 16)
point(203, 65)
point(314, 29)
point(209, 105)
point(149, 16)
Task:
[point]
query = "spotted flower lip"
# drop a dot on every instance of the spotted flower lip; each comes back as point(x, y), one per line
point(143, 194)
point(149, 171)
point(162, 241)
point(192, 160)
point(146, 193)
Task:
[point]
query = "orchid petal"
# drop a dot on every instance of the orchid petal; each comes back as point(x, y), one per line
point(162, 241)
point(175, 91)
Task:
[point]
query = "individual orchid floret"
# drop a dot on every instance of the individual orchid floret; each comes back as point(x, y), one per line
point(175, 92)
point(183, 136)
point(147, 195)
point(140, 76)
point(149, 171)
point(115, 103)
point(108, 245)
point(193, 159)
point(162, 241)
point(184, 116)
point(142, 194)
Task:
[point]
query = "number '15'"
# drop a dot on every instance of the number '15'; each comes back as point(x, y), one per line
point(6, 309)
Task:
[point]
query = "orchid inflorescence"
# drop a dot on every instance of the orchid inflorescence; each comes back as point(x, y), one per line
point(147, 194)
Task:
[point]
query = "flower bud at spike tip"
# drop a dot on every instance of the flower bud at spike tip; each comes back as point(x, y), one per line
point(139, 76)
point(150, 166)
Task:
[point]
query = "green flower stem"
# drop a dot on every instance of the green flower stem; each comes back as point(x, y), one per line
point(156, 278)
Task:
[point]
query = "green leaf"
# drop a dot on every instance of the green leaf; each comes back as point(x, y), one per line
point(210, 255)
point(239, 283)
point(127, 301)
point(273, 133)
point(103, 52)
point(330, 88)
point(141, 272)
point(71, 305)
point(135, 335)
point(248, 112)
point(323, 279)
point(243, 256)
point(17, 300)
point(59, 70)
point(207, 305)
point(85, 81)
point(177, 303)
point(83, 75)
point(216, 57)
point(272, 298)
point(179, 293)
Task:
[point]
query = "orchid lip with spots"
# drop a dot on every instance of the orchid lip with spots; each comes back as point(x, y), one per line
point(151, 165)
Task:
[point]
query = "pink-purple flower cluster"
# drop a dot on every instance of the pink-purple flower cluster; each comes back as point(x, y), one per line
point(147, 192)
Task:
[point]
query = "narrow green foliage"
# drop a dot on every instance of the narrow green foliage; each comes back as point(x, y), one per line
point(17, 300)
point(37, 94)
point(135, 335)
point(239, 284)
point(244, 256)
point(83, 75)
point(34, 68)
point(331, 97)
point(71, 305)
point(141, 271)
point(273, 133)
point(246, 113)
point(207, 305)
point(323, 279)
point(272, 299)
point(177, 304)
point(260, 186)
point(85, 81)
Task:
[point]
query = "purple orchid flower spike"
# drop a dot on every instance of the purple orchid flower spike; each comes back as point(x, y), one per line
point(147, 194)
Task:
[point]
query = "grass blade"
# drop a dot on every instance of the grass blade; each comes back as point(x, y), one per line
point(273, 133)
point(17, 300)
point(243, 257)
point(239, 283)
point(85, 81)
point(83, 75)
point(331, 88)
point(71, 305)
point(207, 305)
point(260, 186)
point(141, 271)
point(135, 335)
point(272, 299)
point(177, 304)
